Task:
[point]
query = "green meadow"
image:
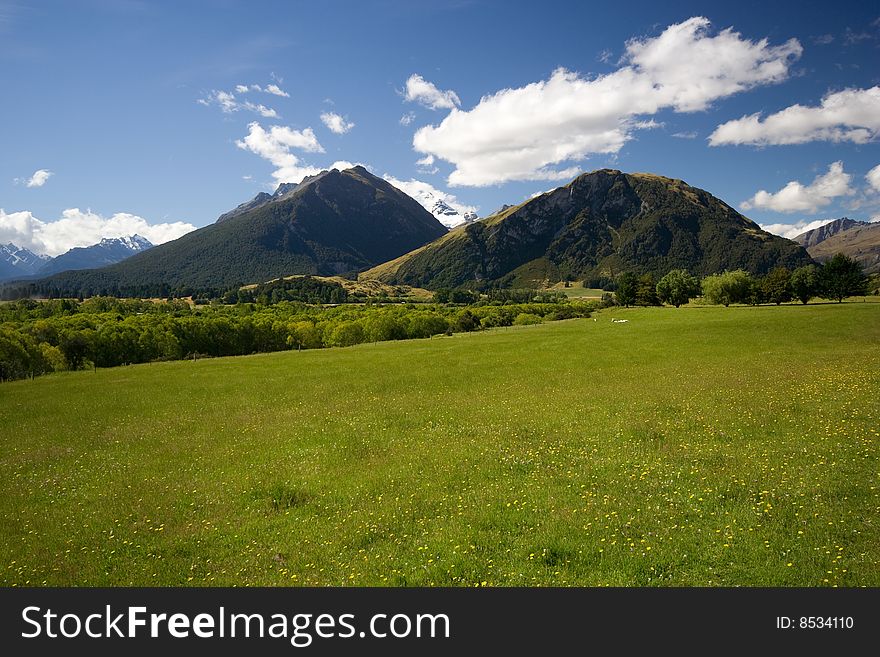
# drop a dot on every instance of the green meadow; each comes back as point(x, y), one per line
point(704, 446)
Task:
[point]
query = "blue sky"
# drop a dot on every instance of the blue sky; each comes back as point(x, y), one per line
point(131, 109)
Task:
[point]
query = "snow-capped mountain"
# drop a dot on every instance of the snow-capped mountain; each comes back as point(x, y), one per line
point(447, 215)
point(108, 251)
point(17, 261)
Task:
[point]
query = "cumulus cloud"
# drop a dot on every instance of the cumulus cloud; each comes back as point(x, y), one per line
point(873, 178)
point(851, 115)
point(336, 123)
point(40, 177)
point(428, 195)
point(81, 228)
point(275, 145)
point(228, 103)
point(796, 197)
point(407, 118)
point(525, 133)
point(425, 93)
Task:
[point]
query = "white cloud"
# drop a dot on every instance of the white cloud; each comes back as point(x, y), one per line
point(336, 123)
point(425, 93)
point(850, 115)
point(795, 197)
point(276, 90)
point(426, 165)
point(407, 118)
point(428, 196)
point(793, 230)
point(525, 133)
point(40, 177)
point(275, 145)
point(81, 228)
point(691, 134)
point(273, 89)
point(228, 103)
point(873, 178)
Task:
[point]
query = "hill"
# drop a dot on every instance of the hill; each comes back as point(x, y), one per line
point(598, 225)
point(859, 240)
point(333, 223)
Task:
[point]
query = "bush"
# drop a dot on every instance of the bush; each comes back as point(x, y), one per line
point(524, 319)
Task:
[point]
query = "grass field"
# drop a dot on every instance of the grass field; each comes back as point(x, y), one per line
point(699, 446)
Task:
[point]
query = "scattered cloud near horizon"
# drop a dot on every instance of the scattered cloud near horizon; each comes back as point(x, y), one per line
point(336, 123)
point(793, 230)
point(797, 197)
point(428, 195)
point(525, 133)
point(38, 179)
point(76, 228)
point(850, 115)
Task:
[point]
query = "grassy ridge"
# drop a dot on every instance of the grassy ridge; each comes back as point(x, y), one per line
point(700, 446)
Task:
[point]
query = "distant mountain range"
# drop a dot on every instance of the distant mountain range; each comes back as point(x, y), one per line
point(16, 261)
point(859, 240)
point(333, 223)
point(602, 223)
point(21, 263)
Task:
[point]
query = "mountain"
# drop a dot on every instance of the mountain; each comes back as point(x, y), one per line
point(822, 233)
point(107, 252)
point(16, 262)
point(332, 223)
point(600, 224)
point(859, 240)
point(283, 191)
point(436, 205)
point(449, 216)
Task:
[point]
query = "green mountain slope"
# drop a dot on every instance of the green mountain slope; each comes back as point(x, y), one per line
point(600, 224)
point(338, 222)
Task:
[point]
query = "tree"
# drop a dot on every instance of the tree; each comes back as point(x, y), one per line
point(776, 286)
point(677, 287)
point(646, 291)
point(805, 283)
point(728, 287)
point(627, 288)
point(842, 277)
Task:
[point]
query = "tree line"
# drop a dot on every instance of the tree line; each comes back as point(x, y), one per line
point(64, 334)
point(839, 278)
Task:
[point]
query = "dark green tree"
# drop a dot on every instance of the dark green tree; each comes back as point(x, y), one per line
point(776, 286)
point(646, 291)
point(842, 277)
point(627, 289)
point(805, 283)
